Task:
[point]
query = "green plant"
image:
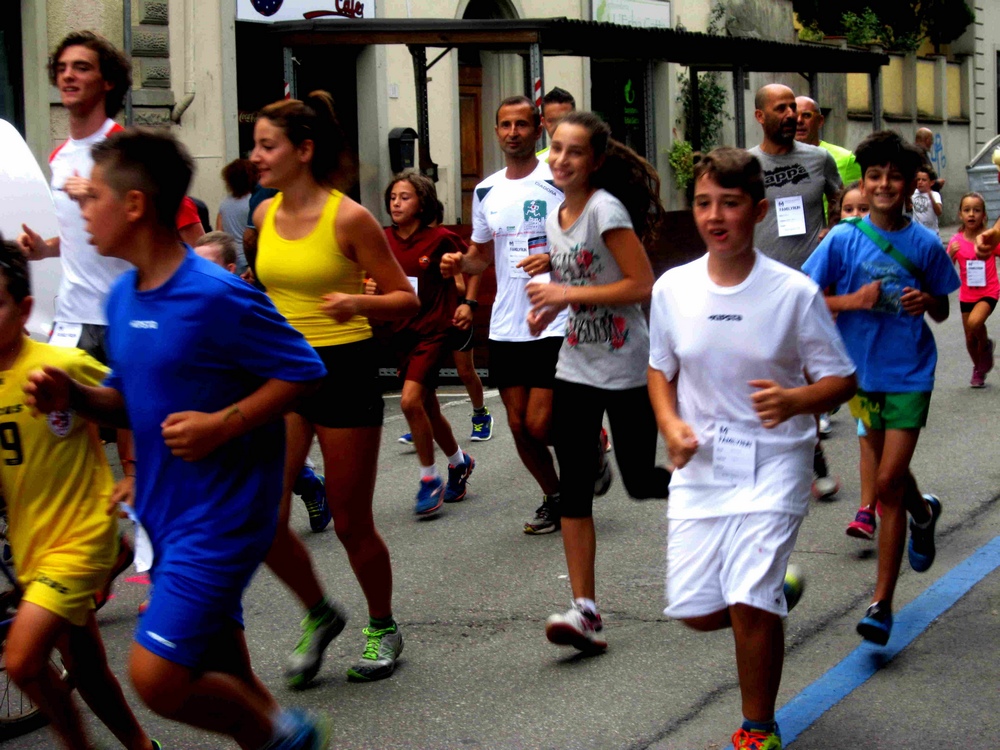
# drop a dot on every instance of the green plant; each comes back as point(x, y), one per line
point(711, 95)
point(862, 29)
point(681, 159)
point(811, 33)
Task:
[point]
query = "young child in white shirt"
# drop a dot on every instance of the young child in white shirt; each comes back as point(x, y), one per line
point(732, 337)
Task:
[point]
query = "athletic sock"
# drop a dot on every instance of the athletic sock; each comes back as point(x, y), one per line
point(458, 459)
point(381, 624)
point(479, 411)
point(587, 605)
point(321, 609)
point(429, 472)
point(760, 726)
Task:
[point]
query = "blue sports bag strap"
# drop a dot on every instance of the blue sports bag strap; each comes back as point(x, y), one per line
point(885, 246)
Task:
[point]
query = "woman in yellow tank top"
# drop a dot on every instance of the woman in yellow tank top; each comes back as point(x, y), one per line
point(314, 242)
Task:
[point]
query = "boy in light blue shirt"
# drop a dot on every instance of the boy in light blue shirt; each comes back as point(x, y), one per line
point(883, 273)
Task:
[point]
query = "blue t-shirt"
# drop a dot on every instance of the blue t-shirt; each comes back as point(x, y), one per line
point(894, 351)
point(202, 341)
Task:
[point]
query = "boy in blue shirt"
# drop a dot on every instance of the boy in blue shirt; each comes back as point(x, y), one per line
point(203, 367)
point(883, 273)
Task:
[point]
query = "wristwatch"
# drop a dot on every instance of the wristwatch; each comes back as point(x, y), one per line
point(473, 305)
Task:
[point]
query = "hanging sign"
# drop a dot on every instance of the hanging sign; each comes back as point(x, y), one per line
point(270, 11)
point(653, 14)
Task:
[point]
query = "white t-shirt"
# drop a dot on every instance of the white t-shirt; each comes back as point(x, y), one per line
point(923, 209)
point(512, 213)
point(714, 340)
point(605, 346)
point(87, 275)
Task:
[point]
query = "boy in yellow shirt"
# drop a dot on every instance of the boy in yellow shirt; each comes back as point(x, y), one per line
point(57, 483)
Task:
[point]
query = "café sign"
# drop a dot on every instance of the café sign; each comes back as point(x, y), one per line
point(270, 11)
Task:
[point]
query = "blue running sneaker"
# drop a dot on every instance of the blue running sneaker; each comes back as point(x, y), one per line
point(305, 732)
point(406, 439)
point(921, 550)
point(876, 625)
point(458, 476)
point(482, 426)
point(311, 487)
point(430, 496)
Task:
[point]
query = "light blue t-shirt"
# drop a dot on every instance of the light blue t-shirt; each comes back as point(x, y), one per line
point(894, 351)
point(202, 341)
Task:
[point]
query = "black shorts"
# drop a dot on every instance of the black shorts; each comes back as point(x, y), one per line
point(966, 307)
point(349, 395)
point(462, 341)
point(526, 364)
point(92, 337)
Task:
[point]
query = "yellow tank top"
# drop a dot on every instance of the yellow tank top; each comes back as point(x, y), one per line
point(297, 273)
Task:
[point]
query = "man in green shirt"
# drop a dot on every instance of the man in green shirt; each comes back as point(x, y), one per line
point(810, 121)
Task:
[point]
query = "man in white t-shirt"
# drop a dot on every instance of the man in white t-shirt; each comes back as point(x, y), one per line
point(509, 209)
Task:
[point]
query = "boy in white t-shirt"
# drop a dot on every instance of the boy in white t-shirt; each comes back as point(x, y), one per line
point(926, 202)
point(733, 336)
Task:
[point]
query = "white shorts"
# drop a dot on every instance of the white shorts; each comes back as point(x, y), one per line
point(713, 563)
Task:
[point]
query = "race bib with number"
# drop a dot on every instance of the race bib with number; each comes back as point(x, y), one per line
point(66, 335)
point(975, 272)
point(791, 216)
point(734, 458)
point(415, 283)
point(517, 250)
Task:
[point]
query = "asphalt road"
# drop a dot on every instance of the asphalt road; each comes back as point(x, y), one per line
point(472, 594)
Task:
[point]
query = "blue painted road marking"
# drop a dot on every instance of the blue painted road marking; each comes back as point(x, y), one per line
point(805, 708)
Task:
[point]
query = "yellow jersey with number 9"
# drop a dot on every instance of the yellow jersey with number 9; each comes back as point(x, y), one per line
point(53, 473)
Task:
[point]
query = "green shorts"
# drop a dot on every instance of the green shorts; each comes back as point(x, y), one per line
point(891, 411)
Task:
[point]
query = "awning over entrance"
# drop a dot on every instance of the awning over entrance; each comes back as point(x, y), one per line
point(598, 41)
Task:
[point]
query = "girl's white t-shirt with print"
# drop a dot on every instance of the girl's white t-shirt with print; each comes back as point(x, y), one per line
point(605, 346)
point(775, 326)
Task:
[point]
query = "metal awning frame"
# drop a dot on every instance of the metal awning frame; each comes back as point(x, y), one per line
point(540, 38)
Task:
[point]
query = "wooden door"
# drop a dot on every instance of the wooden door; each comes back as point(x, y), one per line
point(470, 101)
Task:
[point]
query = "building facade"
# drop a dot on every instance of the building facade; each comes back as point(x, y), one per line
point(200, 69)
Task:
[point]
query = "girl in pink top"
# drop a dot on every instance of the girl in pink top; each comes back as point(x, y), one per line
point(980, 286)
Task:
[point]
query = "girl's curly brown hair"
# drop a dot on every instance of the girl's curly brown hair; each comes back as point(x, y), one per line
point(426, 195)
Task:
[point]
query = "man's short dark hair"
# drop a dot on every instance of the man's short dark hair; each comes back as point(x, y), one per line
point(150, 161)
point(223, 241)
point(732, 168)
point(558, 96)
point(14, 268)
point(886, 147)
point(115, 66)
point(519, 101)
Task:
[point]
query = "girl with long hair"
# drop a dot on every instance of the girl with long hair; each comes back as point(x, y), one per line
point(601, 271)
point(314, 242)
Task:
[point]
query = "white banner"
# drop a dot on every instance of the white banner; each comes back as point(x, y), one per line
point(653, 14)
point(270, 11)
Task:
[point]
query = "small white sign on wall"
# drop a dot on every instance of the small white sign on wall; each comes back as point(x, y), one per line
point(270, 11)
point(653, 14)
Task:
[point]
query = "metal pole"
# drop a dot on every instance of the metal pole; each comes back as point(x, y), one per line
point(127, 43)
point(535, 63)
point(695, 137)
point(650, 114)
point(291, 90)
point(427, 165)
point(875, 94)
point(740, 105)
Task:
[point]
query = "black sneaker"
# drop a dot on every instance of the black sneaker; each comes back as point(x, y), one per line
point(921, 550)
point(546, 519)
